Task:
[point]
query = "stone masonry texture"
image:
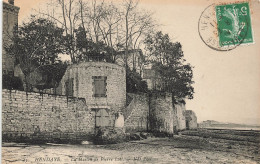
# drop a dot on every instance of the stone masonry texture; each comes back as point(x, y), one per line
point(46, 117)
point(180, 116)
point(191, 119)
point(155, 112)
point(136, 113)
point(82, 75)
point(162, 114)
point(83, 84)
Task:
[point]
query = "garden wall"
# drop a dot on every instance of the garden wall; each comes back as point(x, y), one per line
point(34, 116)
point(162, 113)
point(180, 116)
point(155, 112)
point(136, 113)
point(191, 119)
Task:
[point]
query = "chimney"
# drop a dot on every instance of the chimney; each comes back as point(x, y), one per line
point(11, 2)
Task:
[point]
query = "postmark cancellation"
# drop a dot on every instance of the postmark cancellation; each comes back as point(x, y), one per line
point(223, 27)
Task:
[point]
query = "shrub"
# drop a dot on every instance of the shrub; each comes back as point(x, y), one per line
point(111, 135)
point(11, 82)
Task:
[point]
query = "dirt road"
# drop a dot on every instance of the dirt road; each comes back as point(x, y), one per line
point(179, 149)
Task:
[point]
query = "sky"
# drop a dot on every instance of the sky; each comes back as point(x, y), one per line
point(227, 84)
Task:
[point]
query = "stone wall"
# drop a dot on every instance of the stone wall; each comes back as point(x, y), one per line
point(162, 113)
point(10, 19)
point(136, 113)
point(48, 117)
point(45, 117)
point(180, 114)
point(191, 120)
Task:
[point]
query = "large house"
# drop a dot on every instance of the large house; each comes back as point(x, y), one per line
point(135, 59)
point(153, 80)
point(10, 20)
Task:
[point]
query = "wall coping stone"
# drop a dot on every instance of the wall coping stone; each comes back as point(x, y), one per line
point(43, 94)
point(91, 64)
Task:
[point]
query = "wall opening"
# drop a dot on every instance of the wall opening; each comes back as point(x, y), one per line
point(102, 118)
point(99, 86)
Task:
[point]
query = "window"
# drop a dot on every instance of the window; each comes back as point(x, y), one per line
point(99, 86)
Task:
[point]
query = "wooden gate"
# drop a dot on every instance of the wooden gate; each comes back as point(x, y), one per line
point(102, 118)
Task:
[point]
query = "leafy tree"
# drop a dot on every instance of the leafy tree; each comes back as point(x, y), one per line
point(134, 82)
point(51, 75)
point(11, 82)
point(169, 64)
point(35, 44)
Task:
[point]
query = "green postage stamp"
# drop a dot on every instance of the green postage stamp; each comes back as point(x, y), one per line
point(234, 24)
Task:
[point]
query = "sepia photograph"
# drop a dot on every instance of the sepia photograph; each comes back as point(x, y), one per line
point(130, 81)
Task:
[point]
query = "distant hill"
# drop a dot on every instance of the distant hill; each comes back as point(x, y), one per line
point(221, 125)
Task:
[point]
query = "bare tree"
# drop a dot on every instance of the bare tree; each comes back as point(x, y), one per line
point(108, 25)
point(66, 14)
point(121, 26)
point(137, 24)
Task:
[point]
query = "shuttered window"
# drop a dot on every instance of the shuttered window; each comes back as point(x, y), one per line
point(99, 86)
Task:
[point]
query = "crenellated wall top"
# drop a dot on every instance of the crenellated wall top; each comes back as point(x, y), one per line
point(10, 7)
